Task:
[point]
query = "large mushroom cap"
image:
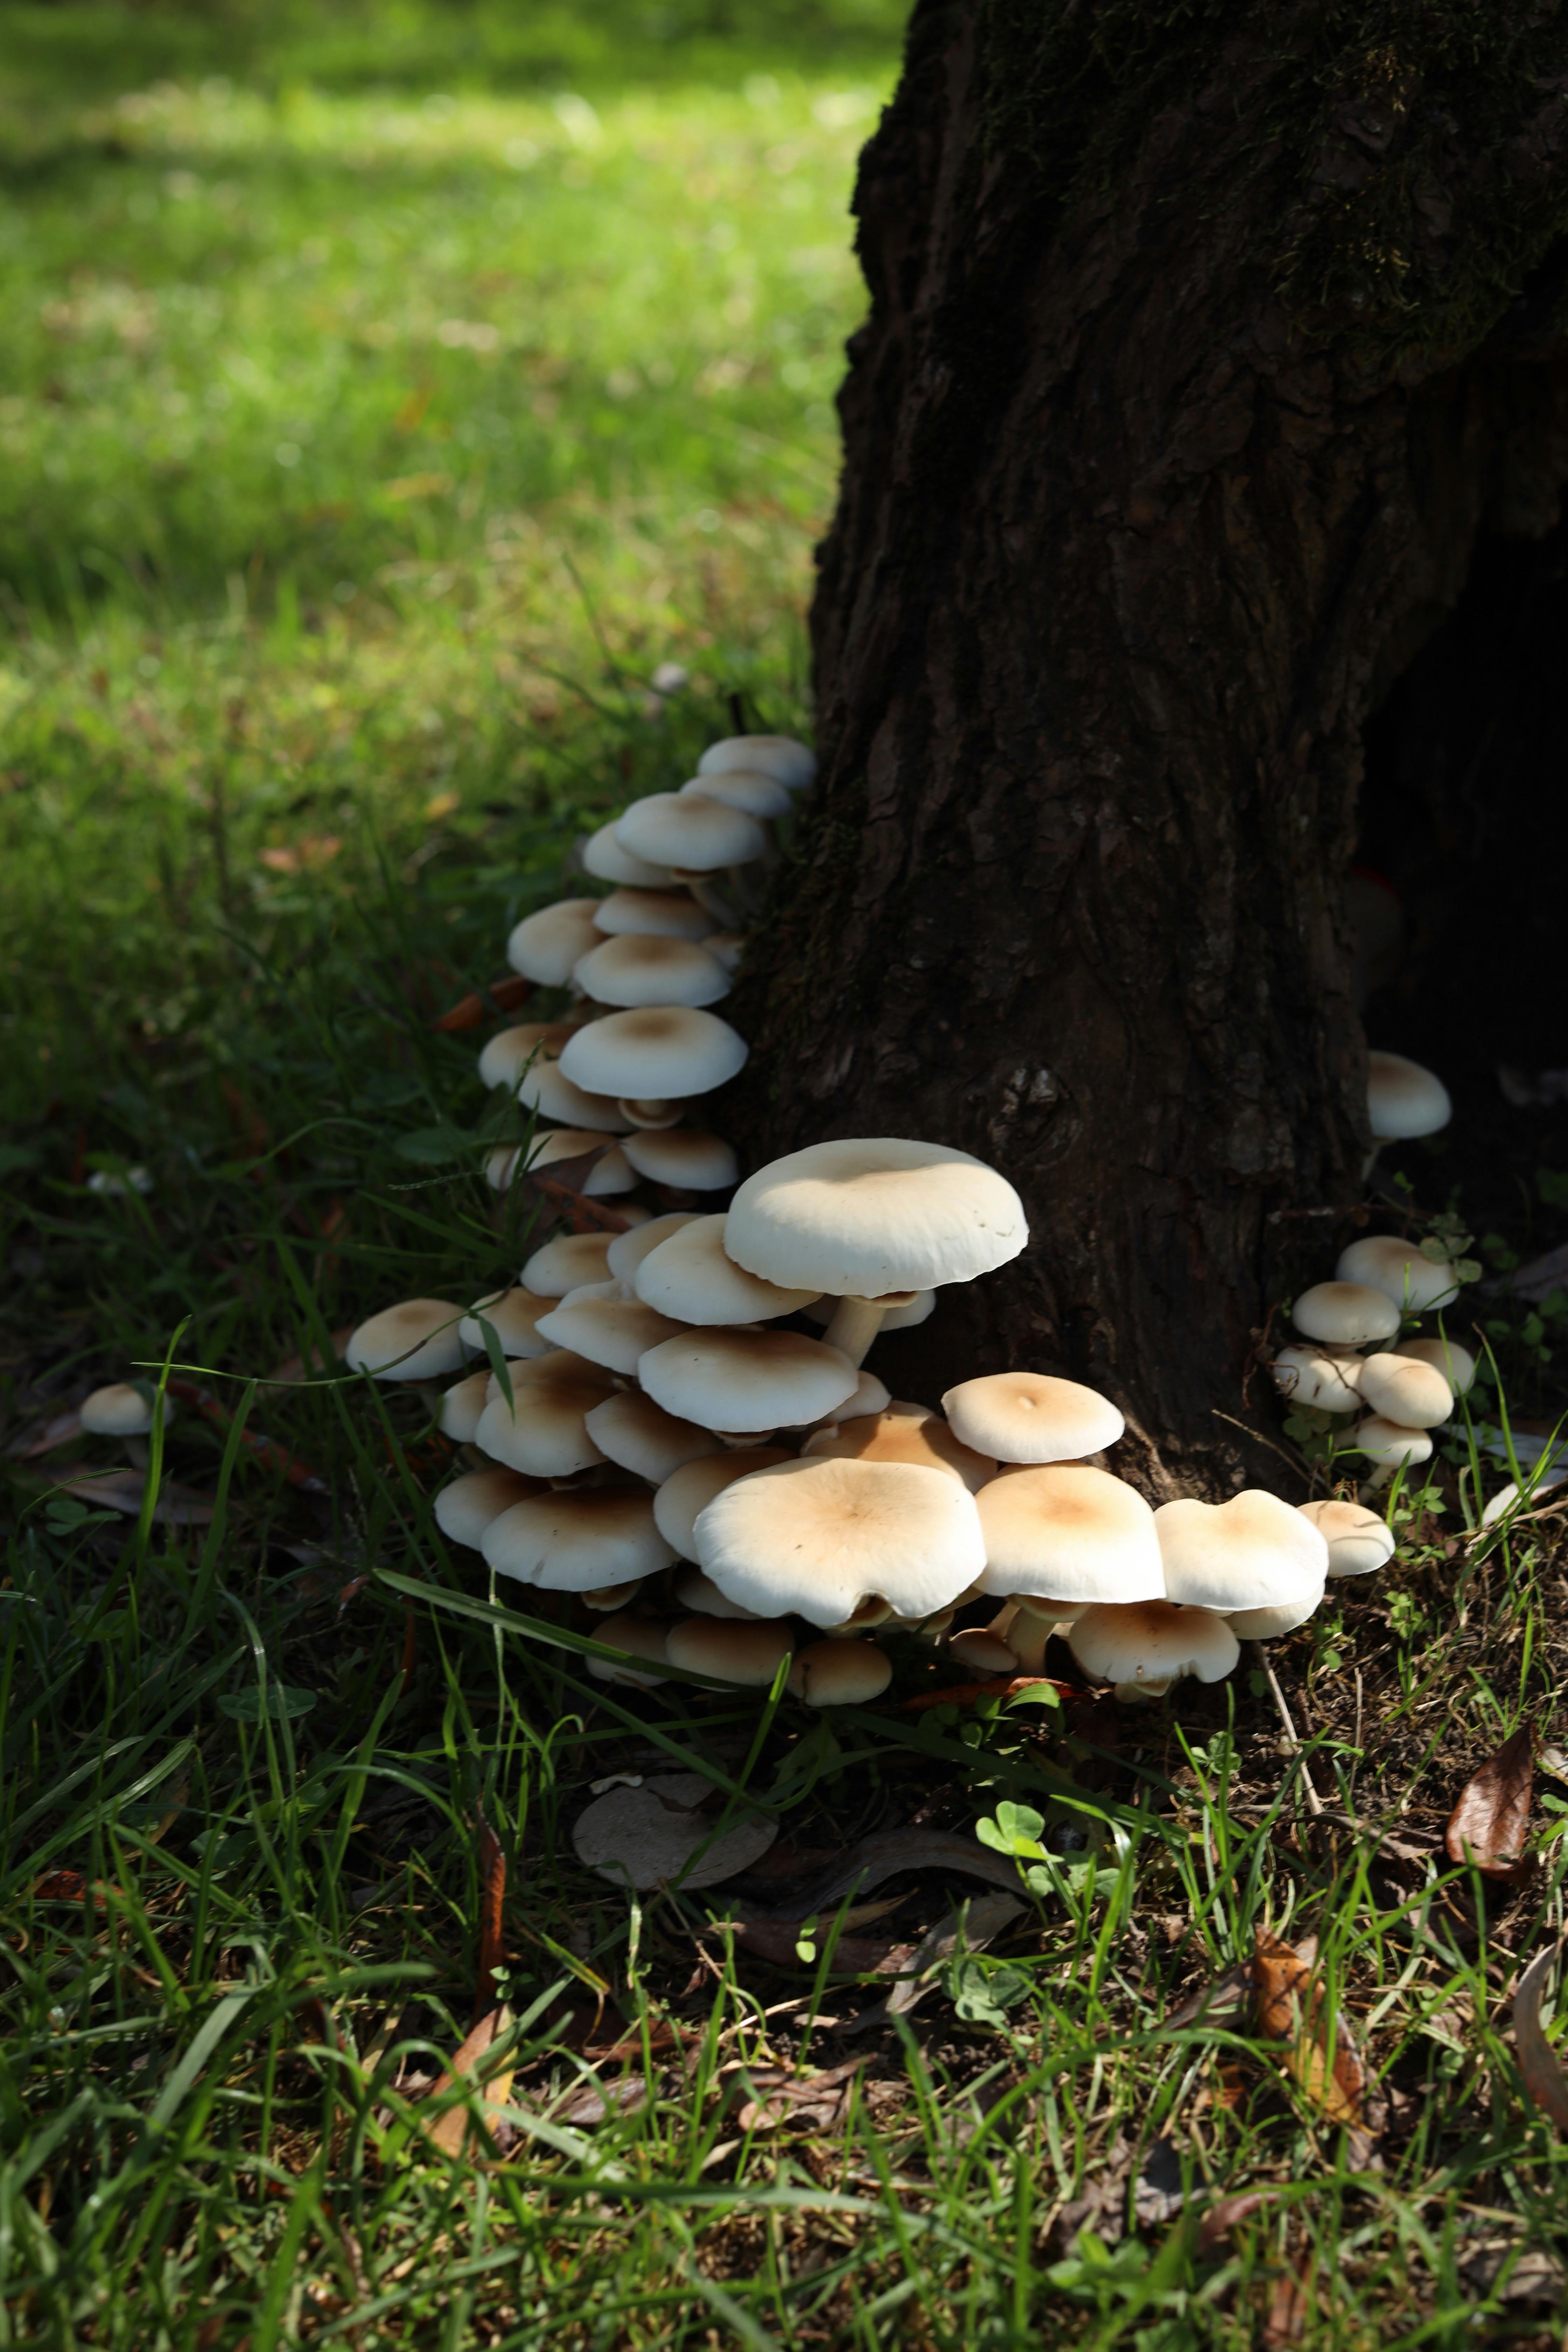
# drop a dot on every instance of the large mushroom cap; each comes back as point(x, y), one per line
point(1322, 1378)
point(470, 1504)
point(868, 1216)
point(121, 1411)
point(545, 1087)
point(817, 1538)
point(686, 1157)
point(659, 1050)
point(615, 1332)
point(731, 1378)
point(639, 969)
point(1150, 1643)
point(668, 914)
point(691, 1275)
point(1359, 1541)
point(543, 1431)
point(1074, 1533)
point(638, 1434)
point(608, 860)
point(1404, 1389)
point(1253, 1552)
point(513, 1316)
point(751, 788)
point(1403, 1099)
point(569, 1260)
point(505, 1056)
point(901, 1433)
point(687, 1492)
point(690, 831)
point(840, 1673)
point(571, 1540)
point(418, 1339)
point(732, 1650)
point(775, 755)
point(1413, 1281)
point(1345, 1314)
point(545, 946)
point(1029, 1417)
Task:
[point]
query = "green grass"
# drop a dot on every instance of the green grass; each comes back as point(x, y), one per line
point(244, 1764)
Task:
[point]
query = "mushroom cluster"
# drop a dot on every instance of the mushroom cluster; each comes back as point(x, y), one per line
point(624, 1067)
point(1360, 1360)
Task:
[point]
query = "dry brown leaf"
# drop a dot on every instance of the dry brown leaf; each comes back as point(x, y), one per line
point(499, 997)
point(1289, 2007)
point(813, 2102)
point(452, 2131)
point(124, 1490)
point(1289, 2306)
point(1543, 2077)
point(60, 1431)
point(1490, 1826)
point(1228, 2214)
point(492, 1944)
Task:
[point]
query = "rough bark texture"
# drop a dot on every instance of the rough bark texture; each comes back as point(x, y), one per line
point(1199, 354)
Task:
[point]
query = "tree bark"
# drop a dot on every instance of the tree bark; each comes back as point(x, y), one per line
point(1200, 354)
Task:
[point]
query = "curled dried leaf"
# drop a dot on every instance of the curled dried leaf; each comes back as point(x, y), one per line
point(1543, 2077)
point(1490, 1826)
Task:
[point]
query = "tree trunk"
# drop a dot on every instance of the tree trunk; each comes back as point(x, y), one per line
point(1201, 354)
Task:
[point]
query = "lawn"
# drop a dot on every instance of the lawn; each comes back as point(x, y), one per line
point(416, 420)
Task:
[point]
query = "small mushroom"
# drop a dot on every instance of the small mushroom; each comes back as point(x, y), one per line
point(466, 1507)
point(691, 832)
point(665, 914)
point(121, 1410)
point(901, 1433)
point(736, 1378)
point(1359, 1541)
point(689, 1274)
point(1064, 1529)
point(1143, 1646)
point(1414, 1282)
point(984, 1653)
point(544, 1432)
point(1322, 1378)
point(840, 1672)
point(1405, 1389)
point(640, 1436)
point(1389, 1444)
point(458, 1415)
point(1252, 1552)
point(610, 1173)
point(614, 1332)
point(627, 1251)
point(545, 946)
point(607, 859)
point(639, 968)
point(664, 1050)
point(761, 795)
point(1026, 1417)
point(1345, 1314)
point(685, 1157)
point(569, 1262)
point(701, 1594)
point(1404, 1100)
point(687, 1492)
point(573, 1539)
point(504, 1057)
point(775, 755)
point(545, 1087)
point(418, 1339)
point(749, 1651)
point(1456, 1364)
point(640, 1637)
point(513, 1316)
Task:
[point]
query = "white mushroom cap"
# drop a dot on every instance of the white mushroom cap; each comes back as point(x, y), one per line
point(572, 1539)
point(543, 1431)
point(609, 860)
point(699, 1593)
point(513, 1316)
point(748, 1651)
point(1323, 1378)
point(690, 831)
point(775, 755)
point(729, 947)
point(1345, 1314)
point(689, 1275)
point(505, 1056)
point(1074, 1533)
point(545, 946)
point(610, 1173)
point(1029, 1417)
point(1457, 1364)
point(458, 1416)
point(627, 1251)
point(982, 1651)
point(664, 1050)
point(817, 1538)
point(870, 1215)
point(840, 1673)
point(733, 1377)
point(1359, 1541)
point(568, 1262)
point(686, 1157)
point(638, 1434)
point(1151, 1644)
point(643, 1637)
point(417, 1339)
point(616, 1332)
point(1269, 1624)
point(868, 1395)
point(466, 1508)
point(897, 1319)
point(751, 788)
point(121, 1411)
point(1405, 1389)
point(1390, 1441)
point(1253, 1552)
point(1412, 1281)
point(545, 1087)
point(901, 1433)
point(687, 1492)
point(1403, 1099)
point(642, 968)
point(663, 914)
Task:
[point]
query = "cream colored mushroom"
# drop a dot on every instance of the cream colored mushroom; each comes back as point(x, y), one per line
point(513, 1316)
point(121, 1410)
point(814, 1538)
point(1146, 1645)
point(687, 1492)
point(746, 1650)
point(1405, 1389)
point(575, 1538)
point(1322, 1378)
point(1070, 1532)
point(840, 1672)
point(741, 1379)
point(1029, 1417)
point(687, 1158)
point(1252, 1552)
point(1401, 1270)
point(418, 1339)
point(545, 946)
point(466, 1507)
point(568, 1263)
point(544, 1432)
point(690, 1276)
point(1359, 1541)
point(638, 1434)
point(1345, 1314)
point(902, 1433)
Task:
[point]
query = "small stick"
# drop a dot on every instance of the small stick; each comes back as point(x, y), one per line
point(1313, 1800)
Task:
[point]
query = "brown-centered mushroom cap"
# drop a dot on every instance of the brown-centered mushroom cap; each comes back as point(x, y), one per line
point(735, 1650)
point(613, 1331)
point(1403, 1099)
point(568, 1262)
point(417, 1339)
point(571, 1540)
point(1457, 1364)
point(1359, 1541)
point(638, 1434)
point(643, 968)
point(513, 1316)
point(545, 1087)
point(458, 1416)
point(1252, 1552)
point(466, 1507)
point(504, 1057)
point(688, 1491)
point(1345, 1314)
point(777, 755)
point(545, 946)
point(691, 1276)
point(738, 1378)
point(661, 914)
point(664, 1050)
point(1074, 1533)
point(545, 1430)
point(1149, 1645)
point(1029, 1417)
point(870, 1215)
point(688, 1158)
point(627, 1251)
point(690, 831)
point(1389, 1442)
point(751, 788)
point(840, 1673)
point(1405, 1389)
point(608, 860)
point(121, 1411)
point(699, 1594)
point(641, 1637)
point(902, 1433)
point(817, 1538)
point(1414, 1282)
point(611, 1171)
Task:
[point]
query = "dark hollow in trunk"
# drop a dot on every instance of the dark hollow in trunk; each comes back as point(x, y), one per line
point(1204, 361)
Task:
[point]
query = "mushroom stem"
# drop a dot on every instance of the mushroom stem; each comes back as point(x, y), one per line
point(857, 1321)
point(651, 1113)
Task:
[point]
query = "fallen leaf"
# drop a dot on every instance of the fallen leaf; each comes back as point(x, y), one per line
point(71, 1886)
point(497, 996)
point(591, 2106)
point(451, 2132)
point(814, 2102)
point(1289, 2007)
point(124, 1491)
point(653, 1835)
point(1542, 2076)
point(1220, 1997)
point(883, 1856)
point(492, 1946)
point(1289, 2306)
point(1228, 2214)
point(61, 1431)
point(974, 1925)
point(1490, 1826)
